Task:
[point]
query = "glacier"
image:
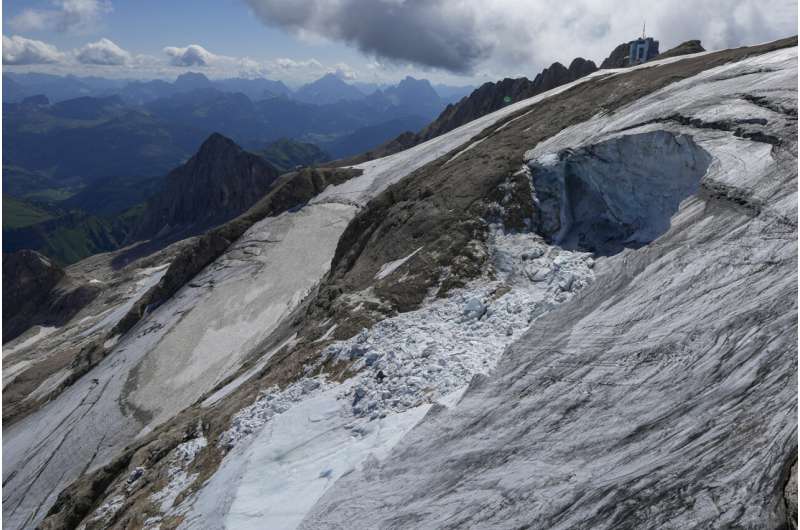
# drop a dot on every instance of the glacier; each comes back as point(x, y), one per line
point(664, 395)
point(571, 386)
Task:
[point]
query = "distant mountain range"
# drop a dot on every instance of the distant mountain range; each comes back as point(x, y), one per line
point(328, 89)
point(219, 182)
point(106, 128)
point(86, 174)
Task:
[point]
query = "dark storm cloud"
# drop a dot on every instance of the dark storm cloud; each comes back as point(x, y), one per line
point(523, 36)
point(432, 33)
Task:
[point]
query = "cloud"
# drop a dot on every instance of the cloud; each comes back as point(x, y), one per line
point(195, 55)
point(19, 51)
point(192, 55)
point(285, 63)
point(344, 72)
point(102, 52)
point(432, 33)
point(77, 16)
point(522, 36)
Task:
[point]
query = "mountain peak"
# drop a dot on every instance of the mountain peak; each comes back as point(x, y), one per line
point(217, 143)
point(413, 81)
point(218, 183)
point(329, 88)
point(329, 80)
point(191, 80)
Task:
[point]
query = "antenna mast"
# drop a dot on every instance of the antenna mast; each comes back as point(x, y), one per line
point(643, 26)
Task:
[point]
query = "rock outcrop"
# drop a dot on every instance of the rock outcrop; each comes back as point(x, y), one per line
point(618, 57)
point(485, 99)
point(492, 96)
point(218, 183)
point(684, 48)
point(34, 295)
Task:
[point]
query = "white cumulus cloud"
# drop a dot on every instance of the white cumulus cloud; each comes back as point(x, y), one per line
point(19, 50)
point(192, 55)
point(102, 52)
point(64, 15)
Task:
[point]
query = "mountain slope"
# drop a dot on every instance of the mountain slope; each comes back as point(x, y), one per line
point(646, 396)
point(72, 236)
point(286, 154)
point(684, 48)
point(424, 268)
point(487, 98)
point(492, 96)
point(216, 184)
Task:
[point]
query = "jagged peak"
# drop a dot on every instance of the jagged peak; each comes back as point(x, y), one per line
point(217, 142)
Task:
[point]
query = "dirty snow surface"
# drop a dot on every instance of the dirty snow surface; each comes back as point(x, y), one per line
point(664, 395)
point(306, 436)
point(397, 445)
point(201, 336)
point(578, 380)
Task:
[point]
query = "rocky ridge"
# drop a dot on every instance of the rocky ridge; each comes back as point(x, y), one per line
point(218, 183)
point(484, 100)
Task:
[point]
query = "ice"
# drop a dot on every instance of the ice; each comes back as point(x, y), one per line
point(665, 395)
point(179, 460)
point(244, 377)
point(289, 446)
point(273, 481)
point(191, 343)
point(148, 278)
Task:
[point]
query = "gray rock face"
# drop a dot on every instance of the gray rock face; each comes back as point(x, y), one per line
point(618, 57)
point(218, 183)
point(31, 296)
point(492, 96)
point(790, 493)
point(684, 48)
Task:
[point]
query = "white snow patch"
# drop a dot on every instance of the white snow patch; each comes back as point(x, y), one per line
point(303, 452)
point(180, 459)
point(327, 334)
point(149, 277)
point(49, 384)
point(548, 160)
point(241, 379)
point(470, 146)
point(40, 333)
point(107, 510)
point(388, 268)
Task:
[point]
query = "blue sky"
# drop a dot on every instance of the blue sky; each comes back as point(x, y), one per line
point(454, 41)
point(226, 27)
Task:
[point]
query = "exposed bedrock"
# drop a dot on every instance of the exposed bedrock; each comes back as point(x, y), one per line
point(617, 194)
